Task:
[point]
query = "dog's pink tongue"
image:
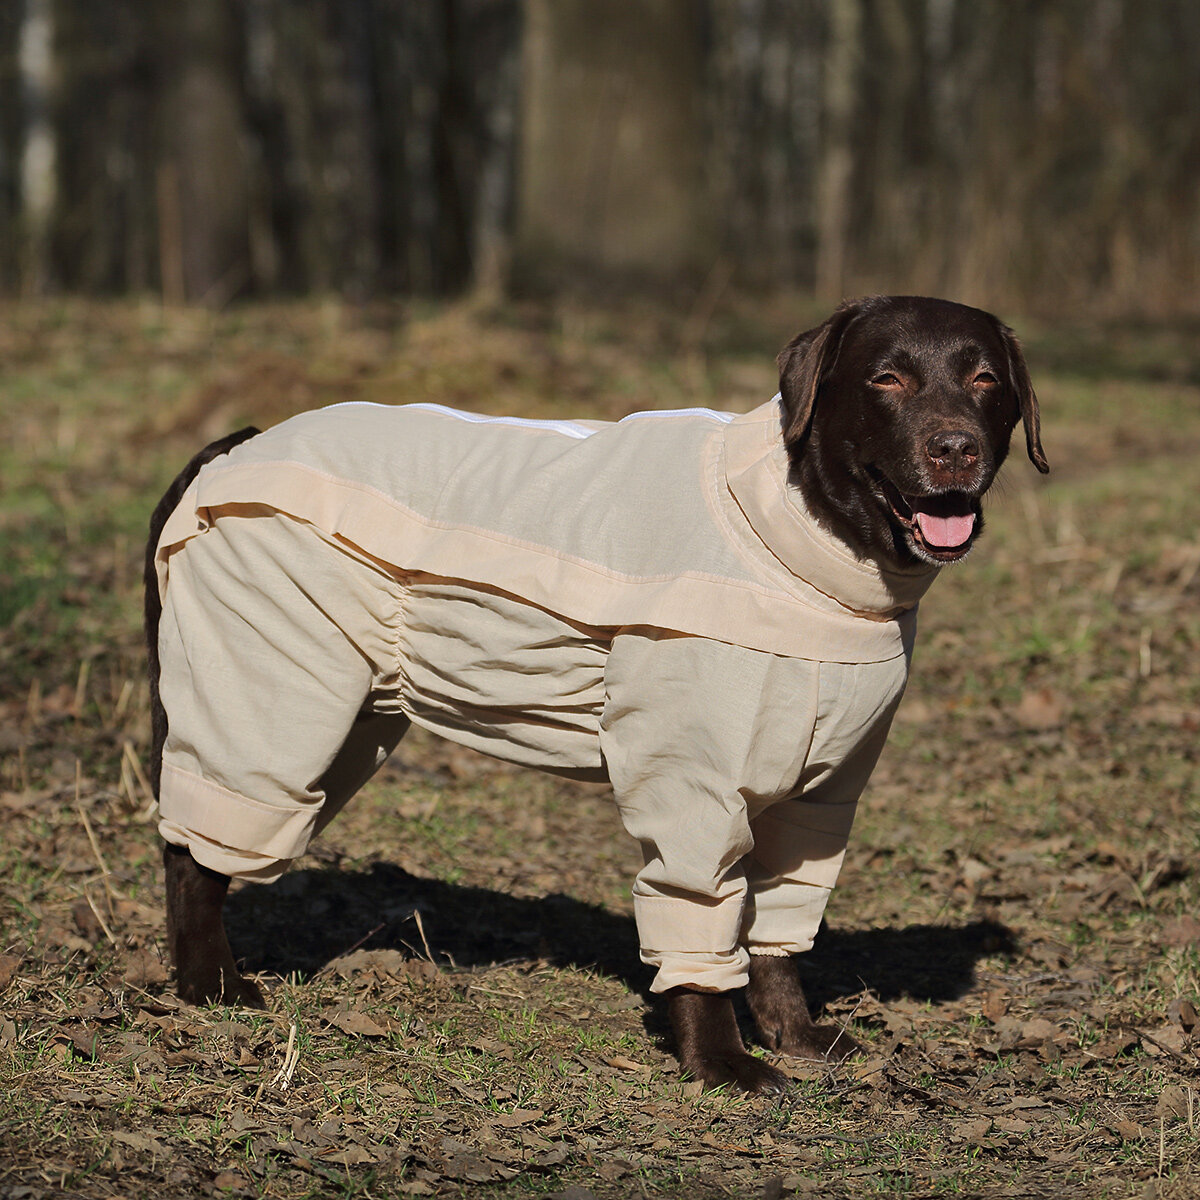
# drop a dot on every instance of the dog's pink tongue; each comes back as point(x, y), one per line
point(946, 531)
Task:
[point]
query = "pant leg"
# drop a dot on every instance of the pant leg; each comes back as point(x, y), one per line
point(372, 737)
point(271, 641)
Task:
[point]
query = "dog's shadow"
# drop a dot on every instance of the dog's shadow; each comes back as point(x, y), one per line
point(310, 917)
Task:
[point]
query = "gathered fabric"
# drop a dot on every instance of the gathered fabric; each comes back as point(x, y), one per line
point(645, 601)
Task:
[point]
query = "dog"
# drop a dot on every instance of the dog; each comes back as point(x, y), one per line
point(715, 612)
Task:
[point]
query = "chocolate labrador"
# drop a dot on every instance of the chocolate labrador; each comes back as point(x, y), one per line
point(895, 415)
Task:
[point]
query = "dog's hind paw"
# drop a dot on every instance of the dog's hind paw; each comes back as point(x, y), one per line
point(781, 1013)
point(199, 983)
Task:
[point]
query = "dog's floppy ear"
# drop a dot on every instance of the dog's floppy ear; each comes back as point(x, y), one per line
point(803, 363)
point(1031, 417)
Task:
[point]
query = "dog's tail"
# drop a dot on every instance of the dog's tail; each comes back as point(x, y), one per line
point(153, 602)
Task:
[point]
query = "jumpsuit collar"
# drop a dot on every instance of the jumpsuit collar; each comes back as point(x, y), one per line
point(756, 473)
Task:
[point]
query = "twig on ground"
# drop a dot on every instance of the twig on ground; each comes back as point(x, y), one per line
point(108, 933)
point(416, 913)
point(291, 1060)
point(91, 836)
point(129, 757)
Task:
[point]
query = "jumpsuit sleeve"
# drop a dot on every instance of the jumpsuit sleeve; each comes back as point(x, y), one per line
point(698, 737)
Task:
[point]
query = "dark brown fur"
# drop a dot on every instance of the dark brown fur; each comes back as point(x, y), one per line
point(939, 431)
point(893, 405)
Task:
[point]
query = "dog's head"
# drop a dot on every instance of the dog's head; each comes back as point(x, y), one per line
point(897, 413)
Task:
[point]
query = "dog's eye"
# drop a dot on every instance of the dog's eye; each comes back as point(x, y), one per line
point(985, 379)
point(887, 380)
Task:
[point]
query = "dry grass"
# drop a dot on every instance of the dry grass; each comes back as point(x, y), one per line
point(456, 1002)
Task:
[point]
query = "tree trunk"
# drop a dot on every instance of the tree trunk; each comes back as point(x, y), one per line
point(204, 180)
point(610, 174)
point(836, 166)
point(39, 150)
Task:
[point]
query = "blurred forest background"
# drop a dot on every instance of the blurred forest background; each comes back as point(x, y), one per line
point(1016, 153)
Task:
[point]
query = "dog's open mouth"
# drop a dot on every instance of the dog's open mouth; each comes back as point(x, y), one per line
point(941, 527)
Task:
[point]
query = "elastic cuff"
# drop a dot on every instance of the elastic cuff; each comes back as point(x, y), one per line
point(225, 860)
point(783, 918)
point(700, 972)
point(225, 818)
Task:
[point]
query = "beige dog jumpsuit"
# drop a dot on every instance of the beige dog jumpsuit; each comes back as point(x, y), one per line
point(646, 601)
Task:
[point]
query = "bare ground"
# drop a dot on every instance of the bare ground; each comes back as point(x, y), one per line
point(456, 1004)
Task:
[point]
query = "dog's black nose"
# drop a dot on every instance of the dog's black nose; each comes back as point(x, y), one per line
point(953, 448)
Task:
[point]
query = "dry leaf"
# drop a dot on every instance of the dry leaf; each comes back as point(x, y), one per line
point(1182, 931)
point(381, 963)
point(972, 1131)
point(464, 1162)
point(9, 965)
point(995, 1005)
point(520, 1116)
point(1036, 1031)
point(1040, 708)
point(1131, 1131)
point(974, 871)
point(86, 921)
point(145, 969)
point(1113, 1047)
point(625, 1064)
point(351, 1156)
point(355, 1021)
point(1013, 1125)
point(140, 1141)
point(1184, 1012)
point(555, 1156)
point(1173, 1102)
point(1166, 1039)
point(873, 1066)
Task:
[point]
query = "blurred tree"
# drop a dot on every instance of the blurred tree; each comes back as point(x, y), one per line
point(105, 227)
point(1007, 152)
point(835, 166)
point(203, 186)
point(39, 150)
point(312, 86)
point(763, 106)
point(611, 176)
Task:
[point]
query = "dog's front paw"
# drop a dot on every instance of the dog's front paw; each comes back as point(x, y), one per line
point(821, 1043)
point(742, 1071)
point(781, 1013)
point(710, 1046)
